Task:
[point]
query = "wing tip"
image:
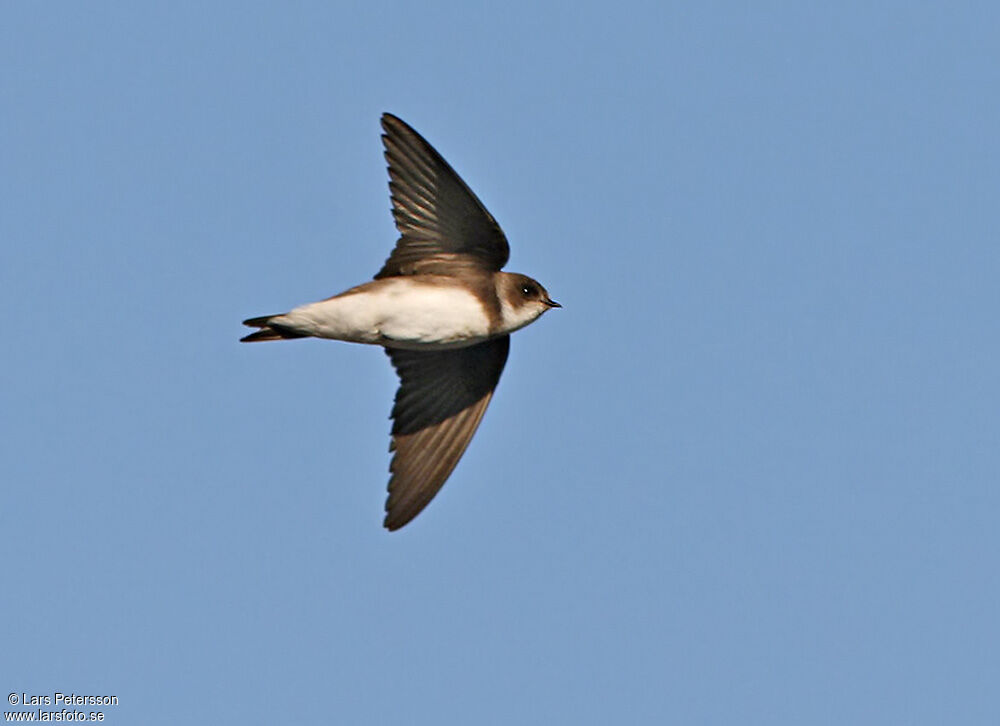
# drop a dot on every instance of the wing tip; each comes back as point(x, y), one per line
point(391, 121)
point(397, 517)
point(392, 524)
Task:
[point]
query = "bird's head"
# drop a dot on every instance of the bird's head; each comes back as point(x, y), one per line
point(522, 300)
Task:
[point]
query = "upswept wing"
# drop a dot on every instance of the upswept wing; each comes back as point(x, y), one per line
point(441, 222)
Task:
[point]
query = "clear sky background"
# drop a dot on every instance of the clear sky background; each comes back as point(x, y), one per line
point(748, 475)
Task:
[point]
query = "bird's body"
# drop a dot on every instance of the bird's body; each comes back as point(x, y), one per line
point(442, 309)
point(415, 312)
point(397, 312)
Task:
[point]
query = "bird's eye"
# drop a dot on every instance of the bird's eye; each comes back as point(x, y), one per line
point(528, 290)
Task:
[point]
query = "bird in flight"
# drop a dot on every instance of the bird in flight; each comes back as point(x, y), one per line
point(441, 308)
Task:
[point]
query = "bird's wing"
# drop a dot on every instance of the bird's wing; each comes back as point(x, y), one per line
point(441, 222)
point(441, 399)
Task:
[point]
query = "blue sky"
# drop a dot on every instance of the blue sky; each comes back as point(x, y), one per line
point(747, 475)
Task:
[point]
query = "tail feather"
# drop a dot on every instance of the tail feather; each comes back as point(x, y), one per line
point(269, 330)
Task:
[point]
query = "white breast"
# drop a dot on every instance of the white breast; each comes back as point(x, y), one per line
point(515, 317)
point(399, 313)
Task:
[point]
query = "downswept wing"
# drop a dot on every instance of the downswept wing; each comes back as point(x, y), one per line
point(441, 400)
point(441, 222)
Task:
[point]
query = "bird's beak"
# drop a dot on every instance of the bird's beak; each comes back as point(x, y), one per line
point(551, 303)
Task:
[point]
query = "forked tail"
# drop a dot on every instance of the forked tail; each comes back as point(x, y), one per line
point(270, 330)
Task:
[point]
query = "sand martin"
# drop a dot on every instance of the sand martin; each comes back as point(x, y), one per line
point(441, 308)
